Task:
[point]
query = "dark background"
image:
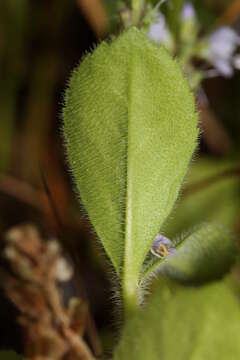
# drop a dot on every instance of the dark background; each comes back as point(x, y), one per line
point(41, 41)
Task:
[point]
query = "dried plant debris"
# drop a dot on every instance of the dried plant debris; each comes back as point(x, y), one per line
point(52, 331)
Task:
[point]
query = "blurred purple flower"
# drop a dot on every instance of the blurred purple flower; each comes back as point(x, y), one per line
point(188, 12)
point(158, 31)
point(162, 247)
point(222, 46)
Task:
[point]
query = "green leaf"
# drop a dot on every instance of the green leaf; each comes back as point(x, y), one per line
point(130, 129)
point(204, 255)
point(9, 355)
point(217, 201)
point(184, 323)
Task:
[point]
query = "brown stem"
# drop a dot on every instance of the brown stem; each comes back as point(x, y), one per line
point(96, 15)
point(77, 344)
point(231, 14)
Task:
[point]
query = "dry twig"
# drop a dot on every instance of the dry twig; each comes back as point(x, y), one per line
point(96, 15)
point(52, 331)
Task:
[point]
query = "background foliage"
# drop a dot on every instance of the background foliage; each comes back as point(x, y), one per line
point(40, 43)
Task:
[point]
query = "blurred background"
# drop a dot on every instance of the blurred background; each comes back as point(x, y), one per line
point(41, 41)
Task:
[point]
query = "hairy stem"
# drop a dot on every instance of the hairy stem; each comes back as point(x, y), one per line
point(129, 293)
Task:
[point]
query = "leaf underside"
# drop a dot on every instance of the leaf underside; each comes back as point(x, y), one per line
point(130, 129)
point(184, 323)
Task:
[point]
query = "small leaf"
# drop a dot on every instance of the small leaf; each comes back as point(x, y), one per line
point(184, 323)
point(206, 254)
point(130, 128)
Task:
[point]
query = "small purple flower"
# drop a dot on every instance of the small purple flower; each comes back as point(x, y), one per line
point(158, 31)
point(162, 247)
point(222, 46)
point(188, 12)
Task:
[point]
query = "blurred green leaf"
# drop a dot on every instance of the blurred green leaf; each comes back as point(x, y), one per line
point(7, 114)
point(217, 201)
point(208, 12)
point(9, 355)
point(173, 15)
point(13, 16)
point(112, 8)
point(184, 323)
point(131, 128)
point(204, 255)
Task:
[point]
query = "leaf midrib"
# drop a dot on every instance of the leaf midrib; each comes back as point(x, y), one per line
point(130, 277)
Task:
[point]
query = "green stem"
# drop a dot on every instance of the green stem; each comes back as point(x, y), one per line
point(137, 8)
point(129, 293)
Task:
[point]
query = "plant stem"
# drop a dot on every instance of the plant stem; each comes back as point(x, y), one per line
point(137, 8)
point(129, 293)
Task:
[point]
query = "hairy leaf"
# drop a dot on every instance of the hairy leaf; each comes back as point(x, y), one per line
point(130, 129)
point(204, 255)
point(184, 323)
